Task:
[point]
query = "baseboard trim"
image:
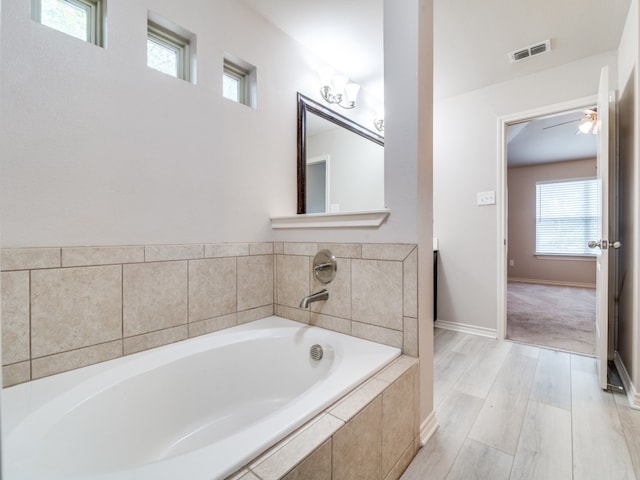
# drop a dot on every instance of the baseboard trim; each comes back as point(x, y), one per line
point(632, 395)
point(428, 428)
point(465, 328)
point(554, 283)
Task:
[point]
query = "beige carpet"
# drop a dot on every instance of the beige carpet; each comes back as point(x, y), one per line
point(556, 317)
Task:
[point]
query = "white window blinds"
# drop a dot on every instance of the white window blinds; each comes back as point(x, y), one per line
point(566, 217)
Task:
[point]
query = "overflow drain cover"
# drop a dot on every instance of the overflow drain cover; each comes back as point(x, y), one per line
point(316, 352)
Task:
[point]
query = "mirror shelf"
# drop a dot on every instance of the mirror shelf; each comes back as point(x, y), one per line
point(369, 219)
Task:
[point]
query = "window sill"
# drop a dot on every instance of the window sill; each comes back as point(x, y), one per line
point(573, 258)
point(370, 219)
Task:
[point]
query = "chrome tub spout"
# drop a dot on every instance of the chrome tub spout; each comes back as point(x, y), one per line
point(315, 297)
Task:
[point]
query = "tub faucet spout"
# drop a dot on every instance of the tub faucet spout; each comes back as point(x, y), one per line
point(315, 297)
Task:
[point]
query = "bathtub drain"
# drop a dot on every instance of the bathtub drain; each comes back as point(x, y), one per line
point(316, 352)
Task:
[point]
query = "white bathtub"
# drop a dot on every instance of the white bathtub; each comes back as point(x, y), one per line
point(198, 409)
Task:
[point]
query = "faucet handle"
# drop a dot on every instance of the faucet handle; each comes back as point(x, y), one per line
point(324, 266)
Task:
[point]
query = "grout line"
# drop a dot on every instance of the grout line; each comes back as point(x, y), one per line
point(30, 329)
point(188, 296)
point(236, 285)
point(122, 306)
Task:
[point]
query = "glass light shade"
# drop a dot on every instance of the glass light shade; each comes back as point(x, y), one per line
point(351, 91)
point(585, 127)
point(339, 82)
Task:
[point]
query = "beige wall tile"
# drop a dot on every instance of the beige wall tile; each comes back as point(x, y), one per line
point(29, 258)
point(155, 296)
point(16, 373)
point(398, 416)
point(62, 362)
point(410, 337)
point(339, 302)
point(87, 256)
point(278, 248)
point(355, 401)
point(261, 248)
point(386, 251)
point(308, 249)
point(336, 324)
point(243, 475)
point(255, 281)
point(316, 466)
point(292, 279)
point(357, 445)
point(410, 285)
point(281, 460)
point(212, 288)
point(404, 461)
point(162, 253)
point(203, 327)
point(14, 312)
point(377, 293)
point(397, 368)
point(255, 314)
point(295, 314)
point(75, 307)
point(343, 250)
point(217, 250)
point(154, 339)
point(382, 335)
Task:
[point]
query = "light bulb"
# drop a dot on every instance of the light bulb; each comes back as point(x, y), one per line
point(351, 91)
point(339, 82)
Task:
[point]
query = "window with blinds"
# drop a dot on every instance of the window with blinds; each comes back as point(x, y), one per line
point(567, 217)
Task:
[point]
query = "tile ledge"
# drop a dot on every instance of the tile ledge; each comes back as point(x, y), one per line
point(367, 219)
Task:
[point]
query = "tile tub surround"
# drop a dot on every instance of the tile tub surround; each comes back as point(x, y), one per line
point(370, 433)
point(65, 308)
point(374, 294)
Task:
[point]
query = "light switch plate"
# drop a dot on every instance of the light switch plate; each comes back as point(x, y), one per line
point(487, 198)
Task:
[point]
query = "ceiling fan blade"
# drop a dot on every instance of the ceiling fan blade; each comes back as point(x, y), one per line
point(562, 123)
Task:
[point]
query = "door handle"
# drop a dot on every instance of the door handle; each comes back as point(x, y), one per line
point(604, 244)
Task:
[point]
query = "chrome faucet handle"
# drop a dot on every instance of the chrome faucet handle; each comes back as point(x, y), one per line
point(324, 266)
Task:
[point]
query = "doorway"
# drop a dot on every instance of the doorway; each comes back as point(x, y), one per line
point(549, 275)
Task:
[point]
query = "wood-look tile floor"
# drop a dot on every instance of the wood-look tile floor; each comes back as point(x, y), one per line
point(512, 411)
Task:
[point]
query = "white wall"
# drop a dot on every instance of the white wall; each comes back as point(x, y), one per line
point(466, 162)
point(98, 149)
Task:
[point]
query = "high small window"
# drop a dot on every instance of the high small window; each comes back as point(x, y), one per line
point(239, 81)
point(234, 85)
point(167, 52)
point(567, 217)
point(171, 49)
point(79, 18)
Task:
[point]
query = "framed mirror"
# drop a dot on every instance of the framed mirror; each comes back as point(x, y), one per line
point(340, 162)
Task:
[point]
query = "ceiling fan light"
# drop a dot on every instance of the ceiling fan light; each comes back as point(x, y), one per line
point(585, 127)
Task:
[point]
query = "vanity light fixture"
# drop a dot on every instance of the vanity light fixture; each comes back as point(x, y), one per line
point(378, 120)
point(340, 91)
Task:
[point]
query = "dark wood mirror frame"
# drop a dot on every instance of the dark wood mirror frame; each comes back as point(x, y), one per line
point(305, 105)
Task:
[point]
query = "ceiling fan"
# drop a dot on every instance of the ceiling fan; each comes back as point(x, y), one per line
point(588, 124)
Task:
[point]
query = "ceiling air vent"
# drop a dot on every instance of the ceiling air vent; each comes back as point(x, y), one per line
point(530, 51)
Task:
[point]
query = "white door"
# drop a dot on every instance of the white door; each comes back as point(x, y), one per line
point(601, 245)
